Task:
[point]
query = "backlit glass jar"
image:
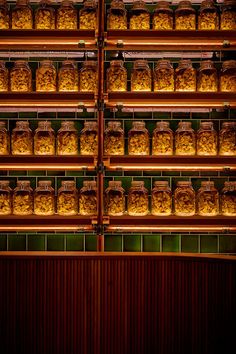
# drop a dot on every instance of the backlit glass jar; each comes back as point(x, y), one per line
point(5, 198)
point(46, 77)
point(228, 76)
point(67, 18)
point(163, 79)
point(44, 139)
point(207, 140)
point(20, 77)
point(114, 142)
point(88, 76)
point(141, 76)
point(44, 199)
point(23, 199)
point(163, 18)
point(117, 16)
point(4, 139)
point(162, 139)
point(138, 139)
point(4, 15)
point(45, 16)
point(228, 15)
point(22, 15)
point(139, 17)
point(22, 139)
point(89, 139)
point(161, 199)
point(207, 80)
point(115, 199)
point(227, 139)
point(88, 198)
point(68, 77)
point(67, 199)
point(3, 77)
point(228, 199)
point(67, 139)
point(185, 76)
point(185, 143)
point(116, 77)
point(184, 199)
point(88, 15)
point(185, 16)
point(208, 18)
point(207, 199)
point(138, 199)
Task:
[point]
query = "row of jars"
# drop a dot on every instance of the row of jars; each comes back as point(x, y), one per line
point(66, 17)
point(68, 78)
point(167, 79)
point(184, 17)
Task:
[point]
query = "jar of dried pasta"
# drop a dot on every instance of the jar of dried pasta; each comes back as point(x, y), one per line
point(89, 138)
point(141, 76)
point(227, 139)
point(68, 77)
point(185, 76)
point(228, 15)
point(5, 198)
point(161, 199)
point(22, 15)
point(115, 199)
point(163, 18)
point(207, 77)
point(23, 199)
point(45, 16)
point(67, 16)
point(207, 199)
point(88, 15)
point(117, 16)
point(21, 77)
point(116, 77)
point(44, 139)
point(208, 18)
point(88, 198)
point(140, 16)
point(67, 139)
point(207, 140)
point(4, 15)
point(67, 199)
point(162, 139)
point(114, 141)
point(3, 77)
point(44, 199)
point(184, 199)
point(228, 76)
point(88, 76)
point(138, 199)
point(163, 78)
point(185, 139)
point(46, 77)
point(4, 139)
point(185, 16)
point(22, 139)
point(138, 139)
point(228, 199)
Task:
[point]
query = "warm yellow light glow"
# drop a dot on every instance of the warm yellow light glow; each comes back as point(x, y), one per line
point(45, 228)
point(51, 167)
point(171, 228)
point(171, 167)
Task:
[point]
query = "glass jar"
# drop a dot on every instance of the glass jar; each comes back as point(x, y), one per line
point(185, 143)
point(67, 139)
point(46, 77)
point(117, 16)
point(115, 199)
point(3, 77)
point(162, 139)
point(88, 76)
point(4, 15)
point(68, 77)
point(208, 18)
point(207, 77)
point(45, 16)
point(163, 18)
point(20, 77)
point(22, 15)
point(89, 138)
point(185, 16)
point(227, 139)
point(161, 199)
point(184, 199)
point(5, 198)
point(67, 199)
point(228, 15)
point(44, 199)
point(114, 141)
point(207, 199)
point(163, 79)
point(228, 199)
point(23, 199)
point(140, 16)
point(44, 139)
point(22, 139)
point(138, 199)
point(88, 15)
point(67, 16)
point(228, 76)
point(88, 198)
point(185, 76)
point(116, 77)
point(138, 139)
point(4, 139)
point(141, 76)
point(207, 140)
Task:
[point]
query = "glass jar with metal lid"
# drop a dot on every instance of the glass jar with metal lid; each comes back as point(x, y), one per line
point(228, 199)
point(68, 77)
point(138, 199)
point(4, 15)
point(22, 15)
point(207, 199)
point(164, 77)
point(5, 198)
point(67, 139)
point(22, 139)
point(88, 198)
point(228, 15)
point(161, 199)
point(44, 199)
point(115, 199)
point(228, 76)
point(185, 76)
point(67, 17)
point(117, 16)
point(141, 76)
point(184, 199)
point(67, 199)
point(208, 18)
point(45, 17)
point(207, 140)
point(4, 139)
point(23, 199)
point(138, 139)
point(207, 77)
point(116, 77)
point(114, 141)
point(162, 139)
point(140, 16)
point(88, 76)
point(163, 17)
point(185, 142)
point(89, 138)
point(46, 77)
point(4, 77)
point(185, 16)
point(21, 77)
point(44, 139)
point(88, 15)
point(227, 139)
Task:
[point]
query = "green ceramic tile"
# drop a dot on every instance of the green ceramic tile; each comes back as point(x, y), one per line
point(36, 242)
point(3, 242)
point(90, 243)
point(36, 173)
point(55, 242)
point(16, 242)
point(170, 243)
point(208, 244)
point(74, 173)
point(132, 243)
point(227, 244)
point(189, 243)
point(18, 173)
point(113, 243)
point(151, 243)
point(75, 242)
